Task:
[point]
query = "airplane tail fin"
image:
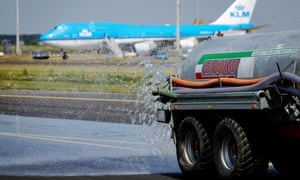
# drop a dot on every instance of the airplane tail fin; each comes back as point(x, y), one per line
point(239, 12)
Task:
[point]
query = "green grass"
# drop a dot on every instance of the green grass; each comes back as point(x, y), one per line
point(113, 79)
point(87, 71)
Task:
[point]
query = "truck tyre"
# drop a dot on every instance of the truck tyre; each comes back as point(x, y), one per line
point(233, 154)
point(194, 153)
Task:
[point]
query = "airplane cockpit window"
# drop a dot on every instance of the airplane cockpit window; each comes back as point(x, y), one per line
point(59, 27)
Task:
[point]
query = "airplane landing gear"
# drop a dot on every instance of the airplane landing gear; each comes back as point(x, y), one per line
point(65, 56)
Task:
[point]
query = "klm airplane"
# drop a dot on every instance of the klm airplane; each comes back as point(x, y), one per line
point(96, 35)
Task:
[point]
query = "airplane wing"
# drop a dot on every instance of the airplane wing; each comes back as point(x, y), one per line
point(256, 28)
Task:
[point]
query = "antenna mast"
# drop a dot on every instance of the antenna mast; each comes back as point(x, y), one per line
point(17, 29)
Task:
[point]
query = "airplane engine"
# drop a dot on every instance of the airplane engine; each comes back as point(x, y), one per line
point(188, 43)
point(145, 48)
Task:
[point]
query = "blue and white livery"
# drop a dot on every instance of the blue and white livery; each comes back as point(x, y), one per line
point(95, 35)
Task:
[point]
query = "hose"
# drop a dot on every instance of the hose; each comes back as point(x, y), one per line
point(214, 82)
point(262, 84)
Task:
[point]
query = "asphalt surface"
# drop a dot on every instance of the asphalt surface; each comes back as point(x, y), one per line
point(33, 146)
point(111, 177)
point(70, 105)
point(118, 108)
point(75, 105)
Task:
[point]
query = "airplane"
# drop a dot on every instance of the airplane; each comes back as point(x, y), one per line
point(145, 38)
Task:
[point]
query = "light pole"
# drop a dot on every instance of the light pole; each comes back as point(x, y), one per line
point(197, 10)
point(17, 29)
point(177, 26)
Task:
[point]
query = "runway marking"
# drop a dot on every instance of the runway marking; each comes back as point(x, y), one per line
point(84, 139)
point(49, 138)
point(70, 98)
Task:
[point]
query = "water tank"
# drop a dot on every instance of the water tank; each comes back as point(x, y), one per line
point(246, 56)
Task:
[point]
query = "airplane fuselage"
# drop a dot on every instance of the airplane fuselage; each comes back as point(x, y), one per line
point(92, 35)
point(235, 20)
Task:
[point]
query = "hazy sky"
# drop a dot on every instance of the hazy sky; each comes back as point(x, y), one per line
point(39, 16)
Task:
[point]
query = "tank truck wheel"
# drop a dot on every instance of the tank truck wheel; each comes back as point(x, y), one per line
point(194, 153)
point(233, 154)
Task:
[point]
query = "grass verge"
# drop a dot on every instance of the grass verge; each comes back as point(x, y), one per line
point(88, 72)
point(113, 79)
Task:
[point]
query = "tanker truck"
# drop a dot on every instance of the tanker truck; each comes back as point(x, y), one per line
point(234, 108)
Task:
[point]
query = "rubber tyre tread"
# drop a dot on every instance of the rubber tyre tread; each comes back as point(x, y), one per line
point(246, 164)
point(203, 166)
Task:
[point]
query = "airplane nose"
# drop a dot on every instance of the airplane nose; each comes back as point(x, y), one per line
point(44, 37)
